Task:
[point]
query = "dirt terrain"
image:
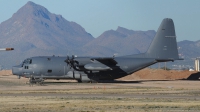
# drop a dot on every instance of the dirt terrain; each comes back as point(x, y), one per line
point(144, 91)
point(158, 74)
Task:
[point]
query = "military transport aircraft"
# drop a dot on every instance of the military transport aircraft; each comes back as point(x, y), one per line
point(96, 69)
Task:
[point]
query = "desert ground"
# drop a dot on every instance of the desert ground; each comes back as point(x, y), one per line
point(143, 91)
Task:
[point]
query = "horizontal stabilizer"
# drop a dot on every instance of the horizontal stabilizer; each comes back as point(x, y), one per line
point(165, 60)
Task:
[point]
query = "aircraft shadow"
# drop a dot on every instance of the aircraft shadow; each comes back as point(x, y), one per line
point(116, 81)
point(137, 81)
point(106, 81)
point(194, 76)
point(46, 82)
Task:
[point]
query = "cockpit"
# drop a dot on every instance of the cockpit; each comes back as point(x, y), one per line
point(27, 61)
point(18, 70)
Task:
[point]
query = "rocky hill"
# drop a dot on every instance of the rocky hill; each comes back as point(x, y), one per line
point(189, 49)
point(123, 41)
point(34, 31)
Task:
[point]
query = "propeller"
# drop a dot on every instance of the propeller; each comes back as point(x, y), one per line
point(71, 62)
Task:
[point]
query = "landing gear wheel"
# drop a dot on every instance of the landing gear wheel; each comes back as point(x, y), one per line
point(79, 81)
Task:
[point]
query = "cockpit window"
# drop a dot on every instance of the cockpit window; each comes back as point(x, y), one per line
point(27, 61)
point(25, 67)
point(22, 63)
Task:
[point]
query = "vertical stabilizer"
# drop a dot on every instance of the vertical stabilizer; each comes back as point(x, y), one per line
point(164, 45)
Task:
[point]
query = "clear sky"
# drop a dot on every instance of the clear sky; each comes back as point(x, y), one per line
point(97, 16)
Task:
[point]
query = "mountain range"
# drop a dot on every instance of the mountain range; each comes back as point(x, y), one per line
point(34, 31)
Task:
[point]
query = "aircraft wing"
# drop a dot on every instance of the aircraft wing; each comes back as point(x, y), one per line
point(102, 65)
point(106, 61)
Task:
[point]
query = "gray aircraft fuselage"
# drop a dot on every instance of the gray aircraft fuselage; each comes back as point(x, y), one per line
point(53, 67)
point(162, 49)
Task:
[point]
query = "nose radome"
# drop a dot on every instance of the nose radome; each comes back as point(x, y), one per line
point(16, 70)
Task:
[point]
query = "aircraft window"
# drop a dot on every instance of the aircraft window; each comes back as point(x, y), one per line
point(49, 71)
point(49, 59)
point(30, 61)
point(22, 64)
point(26, 61)
point(25, 67)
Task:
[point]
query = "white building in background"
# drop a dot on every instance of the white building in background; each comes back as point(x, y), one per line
point(196, 65)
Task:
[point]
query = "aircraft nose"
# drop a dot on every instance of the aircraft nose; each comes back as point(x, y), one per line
point(16, 70)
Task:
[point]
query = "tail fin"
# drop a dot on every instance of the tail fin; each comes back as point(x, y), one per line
point(164, 45)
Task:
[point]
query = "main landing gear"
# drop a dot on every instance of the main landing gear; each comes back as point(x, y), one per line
point(33, 80)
